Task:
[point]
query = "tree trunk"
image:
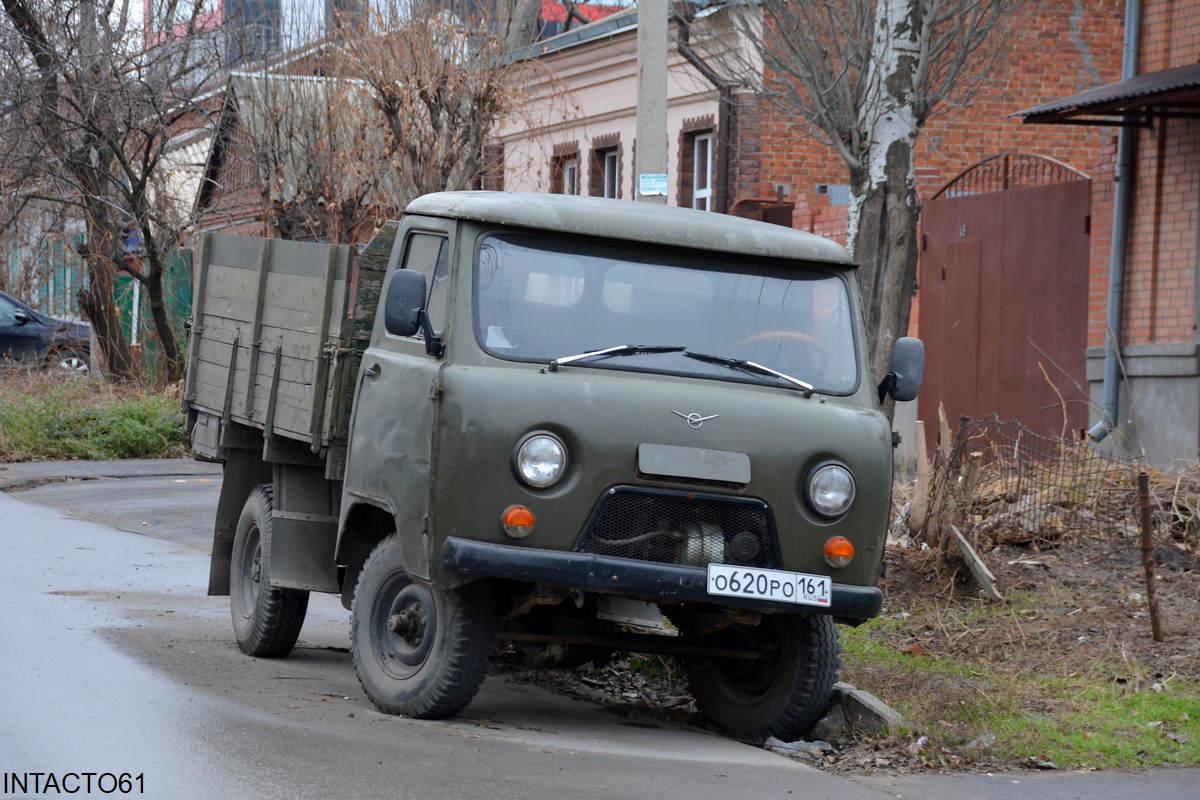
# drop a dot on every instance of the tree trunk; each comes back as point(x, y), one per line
point(886, 247)
point(518, 22)
point(96, 303)
point(168, 354)
point(884, 203)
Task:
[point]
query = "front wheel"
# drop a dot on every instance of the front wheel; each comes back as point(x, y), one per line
point(418, 651)
point(266, 619)
point(69, 362)
point(782, 694)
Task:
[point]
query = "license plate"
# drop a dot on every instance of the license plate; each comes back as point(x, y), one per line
point(769, 584)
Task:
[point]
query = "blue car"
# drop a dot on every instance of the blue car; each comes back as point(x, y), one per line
point(29, 338)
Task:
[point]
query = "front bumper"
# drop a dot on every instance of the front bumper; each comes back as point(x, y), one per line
point(645, 580)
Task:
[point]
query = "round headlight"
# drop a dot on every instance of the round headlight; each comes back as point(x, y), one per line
point(541, 460)
point(831, 490)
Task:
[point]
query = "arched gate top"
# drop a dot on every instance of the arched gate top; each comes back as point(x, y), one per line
point(1009, 171)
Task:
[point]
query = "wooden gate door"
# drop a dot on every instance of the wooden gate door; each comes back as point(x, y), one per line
point(1003, 295)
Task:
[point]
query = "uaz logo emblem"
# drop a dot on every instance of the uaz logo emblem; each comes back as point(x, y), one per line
point(694, 420)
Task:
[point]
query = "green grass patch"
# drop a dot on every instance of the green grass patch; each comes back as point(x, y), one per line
point(991, 713)
point(62, 417)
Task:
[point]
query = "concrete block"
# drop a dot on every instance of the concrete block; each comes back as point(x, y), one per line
point(863, 711)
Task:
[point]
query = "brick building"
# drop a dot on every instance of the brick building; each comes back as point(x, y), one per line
point(1061, 47)
point(1144, 304)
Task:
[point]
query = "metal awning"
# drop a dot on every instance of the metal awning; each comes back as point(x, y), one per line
point(1133, 102)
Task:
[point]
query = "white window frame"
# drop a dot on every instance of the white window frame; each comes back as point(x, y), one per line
point(612, 170)
point(570, 175)
point(702, 189)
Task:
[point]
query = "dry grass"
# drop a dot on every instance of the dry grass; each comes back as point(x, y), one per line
point(46, 416)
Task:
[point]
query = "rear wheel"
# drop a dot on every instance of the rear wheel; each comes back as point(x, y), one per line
point(266, 619)
point(782, 695)
point(418, 651)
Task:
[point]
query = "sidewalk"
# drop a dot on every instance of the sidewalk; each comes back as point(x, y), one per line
point(29, 474)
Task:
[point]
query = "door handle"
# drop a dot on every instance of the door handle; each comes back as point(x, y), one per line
point(372, 371)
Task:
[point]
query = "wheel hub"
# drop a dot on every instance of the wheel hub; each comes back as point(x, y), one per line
point(405, 620)
point(409, 624)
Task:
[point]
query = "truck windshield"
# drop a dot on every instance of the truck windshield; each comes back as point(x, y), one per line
point(541, 298)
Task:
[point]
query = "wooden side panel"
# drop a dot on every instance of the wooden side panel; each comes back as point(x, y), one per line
point(270, 321)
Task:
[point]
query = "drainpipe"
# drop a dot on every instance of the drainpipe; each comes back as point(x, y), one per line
point(726, 112)
point(1126, 151)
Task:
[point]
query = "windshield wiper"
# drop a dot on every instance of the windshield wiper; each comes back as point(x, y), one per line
point(750, 366)
point(619, 350)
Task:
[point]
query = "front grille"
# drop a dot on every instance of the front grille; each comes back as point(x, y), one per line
point(681, 528)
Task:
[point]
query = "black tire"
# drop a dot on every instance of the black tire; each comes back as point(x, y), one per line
point(782, 696)
point(69, 362)
point(418, 651)
point(266, 619)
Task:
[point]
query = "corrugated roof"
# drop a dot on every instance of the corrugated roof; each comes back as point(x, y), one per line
point(1165, 93)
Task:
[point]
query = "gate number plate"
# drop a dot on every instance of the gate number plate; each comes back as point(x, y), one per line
point(769, 584)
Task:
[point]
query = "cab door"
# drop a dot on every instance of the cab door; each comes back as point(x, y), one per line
point(390, 458)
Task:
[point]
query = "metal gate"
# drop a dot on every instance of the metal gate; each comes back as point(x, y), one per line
point(1003, 291)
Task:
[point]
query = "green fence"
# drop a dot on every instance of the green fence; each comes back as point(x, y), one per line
point(133, 308)
point(49, 275)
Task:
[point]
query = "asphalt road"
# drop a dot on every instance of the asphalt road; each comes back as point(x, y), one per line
point(115, 662)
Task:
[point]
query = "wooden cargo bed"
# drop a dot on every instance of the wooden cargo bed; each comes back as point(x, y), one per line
point(278, 328)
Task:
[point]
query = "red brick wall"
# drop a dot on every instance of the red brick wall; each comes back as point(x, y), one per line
point(1161, 258)
point(814, 214)
point(1170, 34)
point(1063, 47)
point(1160, 271)
point(1060, 48)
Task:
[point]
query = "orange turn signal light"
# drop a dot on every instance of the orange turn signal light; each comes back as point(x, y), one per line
point(839, 552)
point(517, 522)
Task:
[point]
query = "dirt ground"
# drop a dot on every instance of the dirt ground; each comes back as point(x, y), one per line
point(1077, 607)
point(1072, 608)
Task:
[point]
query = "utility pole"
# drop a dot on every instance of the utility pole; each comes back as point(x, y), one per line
point(650, 153)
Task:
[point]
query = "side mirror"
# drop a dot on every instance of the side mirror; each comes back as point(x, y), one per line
point(906, 370)
point(404, 310)
point(21, 317)
point(404, 304)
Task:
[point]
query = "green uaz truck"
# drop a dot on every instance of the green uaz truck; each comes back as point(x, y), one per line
point(565, 425)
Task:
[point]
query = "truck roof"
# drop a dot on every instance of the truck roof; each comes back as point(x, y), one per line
point(638, 222)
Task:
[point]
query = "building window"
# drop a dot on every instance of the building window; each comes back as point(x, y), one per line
point(702, 174)
point(570, 176)
point(564, 170)
point(491, 175)
point(697, 179)
point(604, 167)
point(612, 169)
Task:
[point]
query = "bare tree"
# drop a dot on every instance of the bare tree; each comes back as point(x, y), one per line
point(863, 77)
point(398, 102)
point(102, 108)
point(317, 147)
point(439, 78)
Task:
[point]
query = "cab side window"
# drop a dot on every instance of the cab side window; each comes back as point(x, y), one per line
point(429, 254)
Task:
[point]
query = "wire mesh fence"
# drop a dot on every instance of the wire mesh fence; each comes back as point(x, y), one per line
point(999, 483)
